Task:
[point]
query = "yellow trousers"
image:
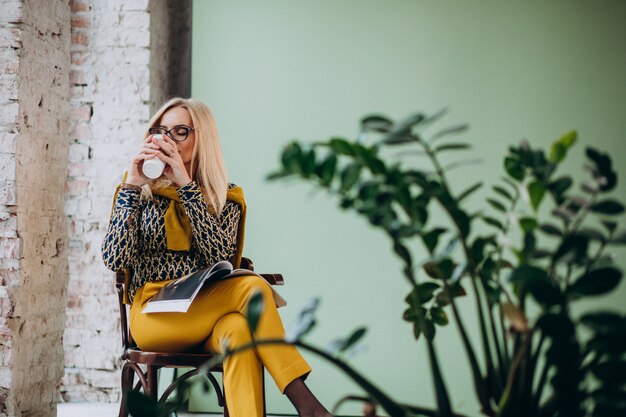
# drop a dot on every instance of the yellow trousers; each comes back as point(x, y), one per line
point(217, 316)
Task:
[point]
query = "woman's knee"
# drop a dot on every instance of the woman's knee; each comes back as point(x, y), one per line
point(253, 284)
point(249, 285)
point(233, 329)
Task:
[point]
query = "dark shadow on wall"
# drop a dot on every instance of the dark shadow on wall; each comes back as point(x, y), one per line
point(170, 46)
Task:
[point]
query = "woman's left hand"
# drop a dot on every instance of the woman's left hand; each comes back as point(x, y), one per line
point(175, 167)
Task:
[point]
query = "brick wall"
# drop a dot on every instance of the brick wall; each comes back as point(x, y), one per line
point(34, 113)
point(75, 96)
point(109, 82)
point(118, 69)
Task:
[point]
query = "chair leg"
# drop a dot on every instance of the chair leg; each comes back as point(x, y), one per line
point(128, 376)
point(226, 414)
point(263, 385)
point(152, 375)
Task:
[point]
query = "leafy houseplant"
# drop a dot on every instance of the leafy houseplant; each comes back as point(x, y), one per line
point(526, 257)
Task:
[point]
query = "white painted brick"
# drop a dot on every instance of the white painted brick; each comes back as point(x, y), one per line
point(8, 116)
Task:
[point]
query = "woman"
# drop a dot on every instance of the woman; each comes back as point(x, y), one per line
point(189, 219)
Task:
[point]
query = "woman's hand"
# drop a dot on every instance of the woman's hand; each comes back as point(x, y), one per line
point(149, 150)
point(175, 169)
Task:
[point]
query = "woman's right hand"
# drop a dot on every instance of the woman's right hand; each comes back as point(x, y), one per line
point(135, 175)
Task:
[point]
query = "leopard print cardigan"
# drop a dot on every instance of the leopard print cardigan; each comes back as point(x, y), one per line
point(136, 236)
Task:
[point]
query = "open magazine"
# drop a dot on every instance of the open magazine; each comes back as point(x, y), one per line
point(178, 295)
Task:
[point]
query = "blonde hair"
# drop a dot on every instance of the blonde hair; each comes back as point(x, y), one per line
point(207, 162)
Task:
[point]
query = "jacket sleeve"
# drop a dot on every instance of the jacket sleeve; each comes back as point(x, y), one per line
point(214, 236)
point(121, 242)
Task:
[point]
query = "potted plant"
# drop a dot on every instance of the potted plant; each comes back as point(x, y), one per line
point(539, 240)
point(527, 364)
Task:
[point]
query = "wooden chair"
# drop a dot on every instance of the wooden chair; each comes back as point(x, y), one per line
point(132, 356)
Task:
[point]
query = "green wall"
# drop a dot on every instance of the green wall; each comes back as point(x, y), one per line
point(277, 70)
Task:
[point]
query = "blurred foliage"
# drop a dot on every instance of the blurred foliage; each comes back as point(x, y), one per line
point(538, 239)
point(546, 241)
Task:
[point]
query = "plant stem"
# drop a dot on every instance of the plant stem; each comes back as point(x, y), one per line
point(441, 392)
point(499, 349)
point(492, 377)
point(508, 401)
point(505, 341)
point(481, 391)
point(543, 376)
point(389, 405)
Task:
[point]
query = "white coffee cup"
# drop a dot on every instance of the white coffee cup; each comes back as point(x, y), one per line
point(153, 168)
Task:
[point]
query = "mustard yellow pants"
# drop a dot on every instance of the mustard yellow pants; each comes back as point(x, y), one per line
point(217, 315)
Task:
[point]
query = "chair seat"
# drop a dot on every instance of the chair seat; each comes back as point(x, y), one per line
point(181, 360)
point(153, 361)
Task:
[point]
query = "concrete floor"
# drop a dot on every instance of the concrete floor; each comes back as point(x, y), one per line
point(102, 410)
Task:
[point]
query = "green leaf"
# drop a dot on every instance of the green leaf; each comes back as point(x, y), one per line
point(619, 238)
point(428, 328)
point(604, 167)
point(559, 187)
point(559, 148)
point(254, 310)
point(410, 315)
point(604, 321)
point(462, 221)
point(425, 290)
point(458, 272)
point(536, 191)
point(403, 131)
point(610, 402)
point(608, 206)
point(326, 170)
point(431, 238)
point(455, 289)
point(307, 162)
point(592, 234)
point(403, 253)
point(439, 316)
point(610, 372)
point(342, 147)
point(503, 192)
point(607, 343)
point(139, 405)
point(537, 282)
point(449, 131)
point(558, 326)
point(290, 157)
point(352, 339)
point(350, 176)
point(369, 158)
point(596, 282)
point(468, 191)
point(564, 213)
point(305, 321)
point(551, 230)
point(440, 269)
point(575, 204)
point(451, 147)
point(493, 222)
point(377, 123)
point(514, 168)
point(573, 248)
point(496, 205)
point(610, 225)
point(528, 224)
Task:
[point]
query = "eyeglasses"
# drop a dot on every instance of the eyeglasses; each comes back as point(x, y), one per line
point(177, 133)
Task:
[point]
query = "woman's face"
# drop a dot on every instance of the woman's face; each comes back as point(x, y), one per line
point(179, 116)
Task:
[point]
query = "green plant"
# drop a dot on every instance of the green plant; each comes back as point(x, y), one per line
point(556, 257)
